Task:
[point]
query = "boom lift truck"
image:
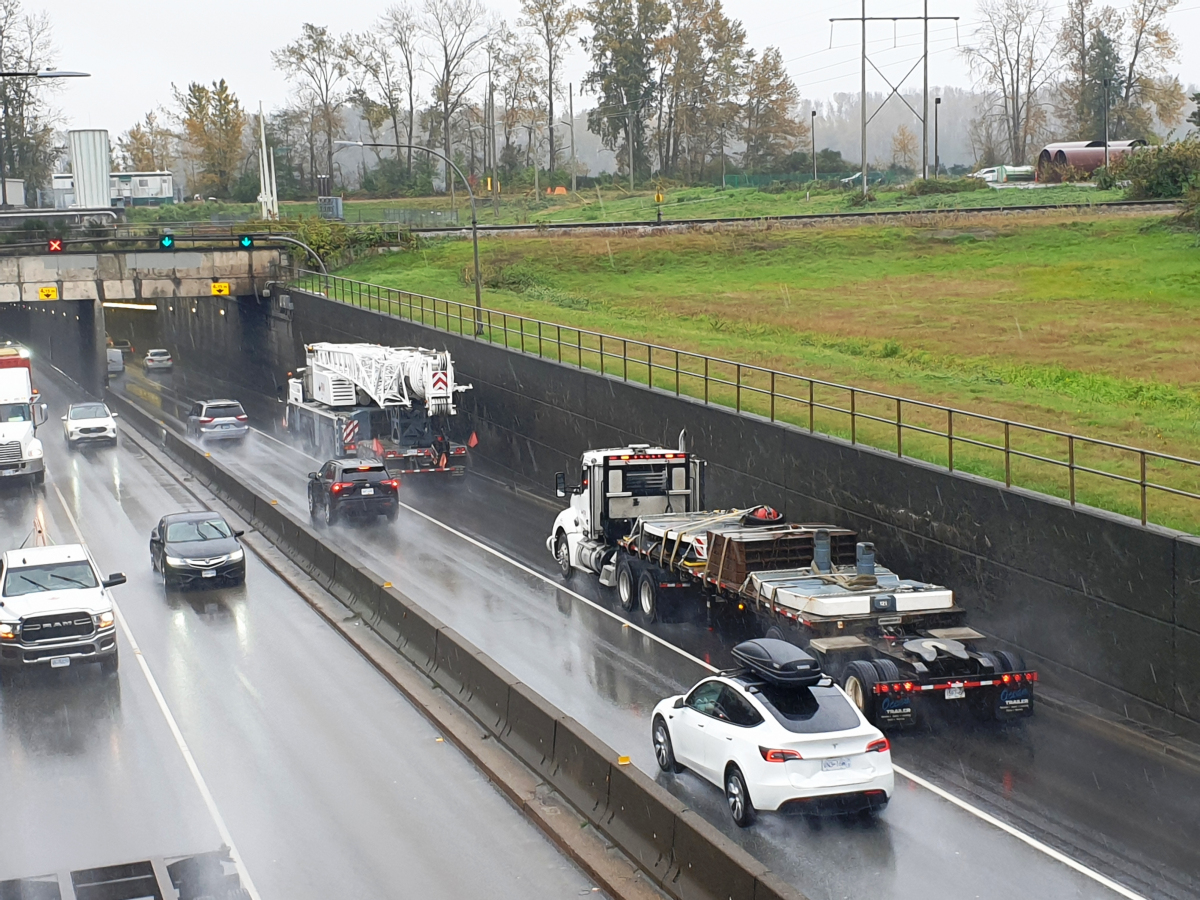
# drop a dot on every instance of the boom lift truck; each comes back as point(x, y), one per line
point(394, 404)
point(637, 522)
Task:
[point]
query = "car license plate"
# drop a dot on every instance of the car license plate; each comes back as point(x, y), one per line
point(209, 573)
point(368, 492)
point(837, 762)
point(228, 426)
point(60, 662)
point(955, 692)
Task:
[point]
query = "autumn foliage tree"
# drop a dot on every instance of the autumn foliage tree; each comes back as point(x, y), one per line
point(149, 146)
point(771, 129)
point(213, 125)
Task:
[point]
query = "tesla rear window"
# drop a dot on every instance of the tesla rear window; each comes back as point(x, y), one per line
point(375, 473)
point(808, 710)
point(224, 411)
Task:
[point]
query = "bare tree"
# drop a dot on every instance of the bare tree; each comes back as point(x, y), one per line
point(553, 21)
point(1013, 57)
point(455, 29)
point(27, 145)
point(1149, 46)
point(1082, 34)
point(399, 24)
point(376, 74)
point(317, 60)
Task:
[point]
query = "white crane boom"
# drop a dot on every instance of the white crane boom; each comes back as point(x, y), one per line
point(385, 374)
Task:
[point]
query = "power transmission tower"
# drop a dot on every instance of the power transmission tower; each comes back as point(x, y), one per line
point(923, 61)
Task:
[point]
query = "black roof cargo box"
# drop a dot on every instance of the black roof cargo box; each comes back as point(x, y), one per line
point(778, 662)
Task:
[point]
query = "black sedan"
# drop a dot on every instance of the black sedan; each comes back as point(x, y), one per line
point(190, 548)
point(347, 487)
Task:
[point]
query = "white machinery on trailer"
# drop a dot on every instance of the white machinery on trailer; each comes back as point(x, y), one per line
point(390, 403)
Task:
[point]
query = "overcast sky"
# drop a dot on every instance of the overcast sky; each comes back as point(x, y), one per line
point(135, 49)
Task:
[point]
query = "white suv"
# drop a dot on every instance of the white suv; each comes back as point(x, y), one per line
point(55, 610)
point(89, 422)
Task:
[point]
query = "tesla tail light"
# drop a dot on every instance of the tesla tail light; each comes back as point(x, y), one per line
point(778, 755)
point(339, 486)
point(206, 420)
point(879, 746)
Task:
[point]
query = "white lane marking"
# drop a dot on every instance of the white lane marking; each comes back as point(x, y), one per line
point(1021, 836)
point(215, 813)
point(911, 776)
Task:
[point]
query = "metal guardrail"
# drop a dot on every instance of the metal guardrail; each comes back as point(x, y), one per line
point(866, 417)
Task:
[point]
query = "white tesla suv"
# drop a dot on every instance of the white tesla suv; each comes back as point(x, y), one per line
point(777, 735)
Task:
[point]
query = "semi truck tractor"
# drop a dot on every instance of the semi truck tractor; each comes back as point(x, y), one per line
point(636, 521)
point(394, 404)
point(20, 415)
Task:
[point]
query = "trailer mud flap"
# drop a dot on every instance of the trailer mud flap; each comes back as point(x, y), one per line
point(1014, 700)
point(892, 710)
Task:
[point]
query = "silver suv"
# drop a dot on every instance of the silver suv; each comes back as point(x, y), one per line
point(218, 419)
point(55, 610)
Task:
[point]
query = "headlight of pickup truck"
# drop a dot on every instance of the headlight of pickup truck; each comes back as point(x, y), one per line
point(8, 631)
point(35, 450)
point(105, 619)
point(237, 555)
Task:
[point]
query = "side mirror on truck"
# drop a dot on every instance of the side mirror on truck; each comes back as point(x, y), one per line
point(39, 414)
point(560, 484)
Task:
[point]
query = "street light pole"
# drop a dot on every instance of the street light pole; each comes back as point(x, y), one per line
point(937, 166)
point(41, 73)
point(474, 217)
point(813, 130)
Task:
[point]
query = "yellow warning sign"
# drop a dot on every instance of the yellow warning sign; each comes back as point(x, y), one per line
point(49, 292)
point(220, 288)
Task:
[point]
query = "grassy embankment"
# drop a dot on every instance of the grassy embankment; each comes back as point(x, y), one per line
point(616, 205)
point(1089, 325)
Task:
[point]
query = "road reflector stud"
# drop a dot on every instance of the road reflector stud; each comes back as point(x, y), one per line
point(387, 584)
point(622, 760)
point(439, 740)
point(274, 502)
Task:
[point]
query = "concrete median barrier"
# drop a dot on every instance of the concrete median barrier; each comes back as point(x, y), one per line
point(530, 729)
point(582, 765)
point(640, 819)
point(709, 867)
point(417, 629)
point(473, 678)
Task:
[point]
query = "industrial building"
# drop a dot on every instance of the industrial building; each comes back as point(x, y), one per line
point(125, 189)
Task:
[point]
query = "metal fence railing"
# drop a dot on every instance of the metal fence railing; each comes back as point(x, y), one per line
point(1134, 481)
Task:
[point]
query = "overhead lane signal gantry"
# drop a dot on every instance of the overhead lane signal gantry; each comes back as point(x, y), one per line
point(246, 242)
point(166, 242)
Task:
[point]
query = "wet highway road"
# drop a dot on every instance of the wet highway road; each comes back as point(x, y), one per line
point(330, 783)
point(1111, 807)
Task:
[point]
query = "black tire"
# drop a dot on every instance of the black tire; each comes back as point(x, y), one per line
point(858, 681)
point(775, 633)
point(626, 584)
point(737, 797)
point(647, 594)
point(1012, 662)
point(664, 750)
point(330, 513)
point(997, 663)
point(314, 513)
point(110, 664)
point(562, 553)
point(886, 669)
point(39, 478)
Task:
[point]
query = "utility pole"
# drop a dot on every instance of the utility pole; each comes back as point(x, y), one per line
point(629, 137)
point(813, 132)
point(492, 140)
point(571, 109)
point(922, 116)
point(1106, 85)
point(937, 160)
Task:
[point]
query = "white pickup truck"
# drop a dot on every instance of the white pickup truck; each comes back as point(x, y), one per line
point(55, 610)
point(20, 415)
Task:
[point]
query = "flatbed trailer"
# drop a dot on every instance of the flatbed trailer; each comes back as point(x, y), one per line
point(893, 643)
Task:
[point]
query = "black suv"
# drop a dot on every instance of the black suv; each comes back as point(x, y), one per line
point(352, 487)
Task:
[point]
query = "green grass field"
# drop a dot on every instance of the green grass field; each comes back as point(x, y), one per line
point(1077, 322)
point(617, 205)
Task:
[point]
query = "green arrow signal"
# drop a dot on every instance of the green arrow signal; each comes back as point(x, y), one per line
point(166, 241)
point(246, 241)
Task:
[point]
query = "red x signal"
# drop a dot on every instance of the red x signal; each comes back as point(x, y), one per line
point(54, 245)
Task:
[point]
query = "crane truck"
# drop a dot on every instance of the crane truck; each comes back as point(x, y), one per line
point(636, 521)
point(394, 404)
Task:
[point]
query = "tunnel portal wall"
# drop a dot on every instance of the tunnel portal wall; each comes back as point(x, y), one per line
point(67, 334)
point(1104, 607)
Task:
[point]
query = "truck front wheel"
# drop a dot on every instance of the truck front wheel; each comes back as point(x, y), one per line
point(626, 585)
point(562, 553)
point(39, 477)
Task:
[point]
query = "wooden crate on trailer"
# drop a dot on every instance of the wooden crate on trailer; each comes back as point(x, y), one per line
point(736, 551)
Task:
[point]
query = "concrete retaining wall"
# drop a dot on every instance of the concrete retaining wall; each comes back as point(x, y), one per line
point(1107, 609)
point(680, 852)
point(67, 334)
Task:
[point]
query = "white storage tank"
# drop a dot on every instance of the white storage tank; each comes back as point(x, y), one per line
point(90, 168)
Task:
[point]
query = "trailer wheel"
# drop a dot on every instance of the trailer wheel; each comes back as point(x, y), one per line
point(1012, 662)
point(648, 594)
point(775, 633)
point(859, 683)
point(887, 670)
point(562, 553)
point(626, 584)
